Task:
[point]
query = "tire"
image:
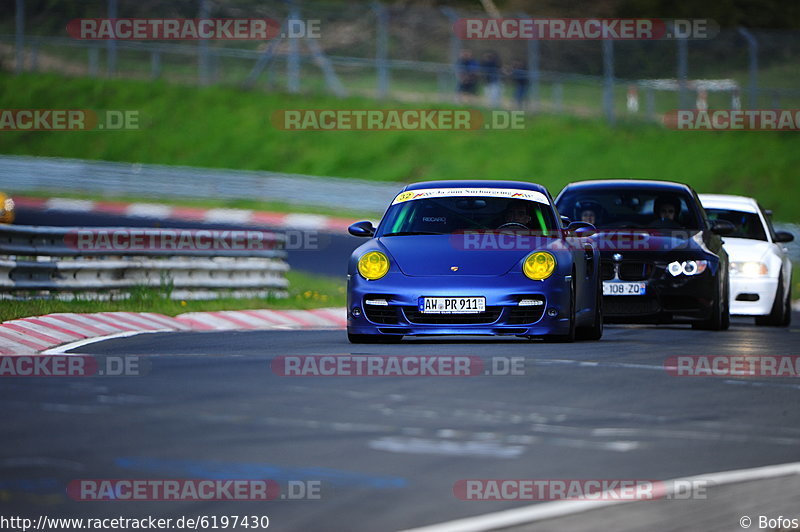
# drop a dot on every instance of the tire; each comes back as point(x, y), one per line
point(373, 338)
point(595, 331)
point(726, 310)
point(721, 317)
point(787, 315)
point(781, 313)
point(570, 336)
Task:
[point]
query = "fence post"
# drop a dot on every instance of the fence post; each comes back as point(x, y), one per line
point(534, 76)
point(455, 46)
point(94, 59)
point(293, 58)
point(111, 56)
point(20, 37)
point(202, 48)
point(155, 65)
point(608, 80)
point(683, 73)
point(558, 97)
point(752, 49)
point(34, 56)
point(382, 48)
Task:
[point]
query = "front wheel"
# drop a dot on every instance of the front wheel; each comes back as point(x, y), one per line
point(721, 317)
point(781, 313)
point(595, 331)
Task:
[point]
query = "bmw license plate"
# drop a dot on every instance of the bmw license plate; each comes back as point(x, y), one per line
point(621, 288)
point(451, 305)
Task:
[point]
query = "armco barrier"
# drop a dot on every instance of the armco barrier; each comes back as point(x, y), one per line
point(47, 261)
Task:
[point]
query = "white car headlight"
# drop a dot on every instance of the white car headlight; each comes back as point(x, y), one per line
point(687, 267)
point(749, 269)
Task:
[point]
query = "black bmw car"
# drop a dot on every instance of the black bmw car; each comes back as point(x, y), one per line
point(661, 258)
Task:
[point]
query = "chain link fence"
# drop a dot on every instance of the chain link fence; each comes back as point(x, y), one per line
point(410, 53)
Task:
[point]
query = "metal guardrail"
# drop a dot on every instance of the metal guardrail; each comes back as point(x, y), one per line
point(46, 261)
point(24, 174)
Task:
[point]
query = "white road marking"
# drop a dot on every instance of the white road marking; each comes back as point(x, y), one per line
point(62, 349)
point(398, 444)
point(551, 510)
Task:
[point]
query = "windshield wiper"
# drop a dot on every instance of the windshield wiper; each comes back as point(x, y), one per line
point(407, 233)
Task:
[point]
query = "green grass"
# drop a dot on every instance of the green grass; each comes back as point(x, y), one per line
point(230, 128)
point(305, 292)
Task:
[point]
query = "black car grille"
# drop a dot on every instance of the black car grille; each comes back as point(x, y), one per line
point(490, 315)
point(381, 314)
point(629, 305)
point(635, 271)
point(628, 270)
point(520, 315)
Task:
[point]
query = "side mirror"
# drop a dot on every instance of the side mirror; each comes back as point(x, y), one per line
point(565, 221)
point(363, 229)
point(783, 236)
point(581, 229)
point(722, 227)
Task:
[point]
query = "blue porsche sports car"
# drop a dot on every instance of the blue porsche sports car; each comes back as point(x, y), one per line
point(474, 258)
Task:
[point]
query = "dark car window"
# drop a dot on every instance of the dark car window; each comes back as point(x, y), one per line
point(748, 224)
point(447, 215)
point(631, 208)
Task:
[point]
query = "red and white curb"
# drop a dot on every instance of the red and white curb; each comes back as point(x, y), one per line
point(40, 333)
point(311, 222)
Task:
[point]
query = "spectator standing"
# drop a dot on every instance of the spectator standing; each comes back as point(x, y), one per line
point(522, 82)
point(467, 70)
point(491, 68)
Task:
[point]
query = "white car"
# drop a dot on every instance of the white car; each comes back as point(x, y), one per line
point(760, 268)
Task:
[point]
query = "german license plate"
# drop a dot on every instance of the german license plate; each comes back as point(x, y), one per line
point(621, 288)
point(452, 305)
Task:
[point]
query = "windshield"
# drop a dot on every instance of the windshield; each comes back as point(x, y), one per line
point(446, 215)
point(631, 209)
point(748, 224)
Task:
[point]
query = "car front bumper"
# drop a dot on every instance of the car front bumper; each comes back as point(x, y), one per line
point(503, 315)
point(666, 297)
point(752, 296)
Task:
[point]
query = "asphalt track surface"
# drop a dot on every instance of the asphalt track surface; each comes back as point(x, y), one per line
point(327, 254)
point(387, 451)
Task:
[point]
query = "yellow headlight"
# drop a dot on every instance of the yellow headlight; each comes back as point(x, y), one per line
point(539, 265)
point(373, 265)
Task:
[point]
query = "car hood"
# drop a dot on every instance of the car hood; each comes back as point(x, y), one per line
point(643, 242)
point(437, 254)
point(745, 249)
